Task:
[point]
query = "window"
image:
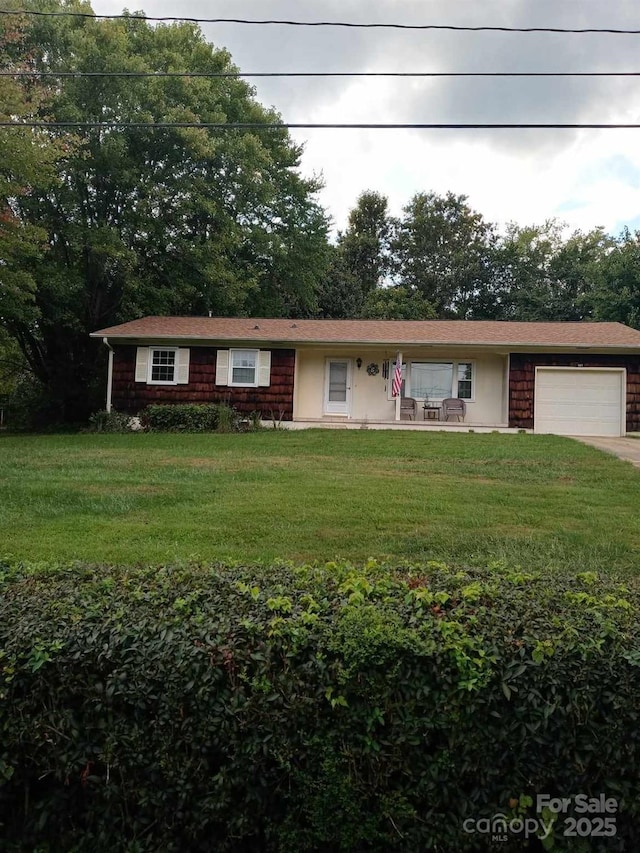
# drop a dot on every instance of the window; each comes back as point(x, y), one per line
point(243, 364)
point(243, 368)
point(431, 380)
point(437, 380)
point(465, 383)
point(162, 366)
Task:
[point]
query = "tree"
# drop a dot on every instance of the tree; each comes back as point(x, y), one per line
point(158, 220)
point(366, 242)
point(547, 276)
point(397, 302)
point(12, 365)
point(360, 260)
point(28, 158)
point(340, 293)
point(616, 292)
point(444, 250)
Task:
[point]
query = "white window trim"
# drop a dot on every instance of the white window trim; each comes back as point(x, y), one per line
point(150, 365)
point(408, 362)
point(472, 398)
point(253, 384)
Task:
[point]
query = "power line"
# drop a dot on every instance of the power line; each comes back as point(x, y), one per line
point(342, 24)
point(117, 125)
point(241, 74)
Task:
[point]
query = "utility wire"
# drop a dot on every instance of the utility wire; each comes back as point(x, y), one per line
point(241, 74)
point(343, 24)
point(116, 125)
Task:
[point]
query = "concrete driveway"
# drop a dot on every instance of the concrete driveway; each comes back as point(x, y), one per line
point(624, 448)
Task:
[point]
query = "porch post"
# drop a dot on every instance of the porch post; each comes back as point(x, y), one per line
point(398, 361)
point(507, 391)
point(109, 374)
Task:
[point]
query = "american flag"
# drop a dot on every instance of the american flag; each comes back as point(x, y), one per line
point(396, 385)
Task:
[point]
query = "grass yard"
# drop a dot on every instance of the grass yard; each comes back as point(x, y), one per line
point(318, 495)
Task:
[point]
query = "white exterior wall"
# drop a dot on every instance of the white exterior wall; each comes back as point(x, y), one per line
point(369, 394)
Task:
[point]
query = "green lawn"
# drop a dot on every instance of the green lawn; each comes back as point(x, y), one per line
point(318, 495)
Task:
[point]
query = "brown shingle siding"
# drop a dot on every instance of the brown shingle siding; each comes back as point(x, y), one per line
point(522, 374)
point(131, 397)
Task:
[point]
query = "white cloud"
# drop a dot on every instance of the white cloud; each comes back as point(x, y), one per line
point(525, 176)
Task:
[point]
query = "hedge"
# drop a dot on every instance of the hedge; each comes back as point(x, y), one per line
point(335, 708)
point(112, 421)
point(190, 417)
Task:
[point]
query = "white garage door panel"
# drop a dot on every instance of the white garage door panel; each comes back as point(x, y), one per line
point(579, 402)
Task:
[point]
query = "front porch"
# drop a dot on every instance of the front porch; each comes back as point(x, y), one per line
point(352, 388)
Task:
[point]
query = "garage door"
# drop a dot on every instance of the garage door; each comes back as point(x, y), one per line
point(580, 401)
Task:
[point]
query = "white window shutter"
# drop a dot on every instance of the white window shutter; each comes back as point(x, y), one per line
point(222, 367)
point(264, 367)
point(142, 364)
point(183, 365)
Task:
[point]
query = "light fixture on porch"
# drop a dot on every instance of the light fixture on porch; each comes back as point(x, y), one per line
point(359, 362)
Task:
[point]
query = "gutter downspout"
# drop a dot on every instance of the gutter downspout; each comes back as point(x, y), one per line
point(109, 373)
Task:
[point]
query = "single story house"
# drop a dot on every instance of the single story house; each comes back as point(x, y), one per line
point(563, 378)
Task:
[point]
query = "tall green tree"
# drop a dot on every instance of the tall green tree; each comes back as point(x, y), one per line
point(157, 220)
point(340, 293)
point(366, 242)
point(444, 250)
point(360, 260)
point(546, 275)
point(616, 292)
point(28, 159)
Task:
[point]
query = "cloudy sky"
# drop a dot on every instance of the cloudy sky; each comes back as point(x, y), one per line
point(585, 178)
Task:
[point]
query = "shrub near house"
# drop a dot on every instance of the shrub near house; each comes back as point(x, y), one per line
point(231, 709)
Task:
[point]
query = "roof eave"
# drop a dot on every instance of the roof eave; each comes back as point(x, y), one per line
point(515, 346)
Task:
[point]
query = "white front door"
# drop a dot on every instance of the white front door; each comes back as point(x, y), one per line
point(337, 387)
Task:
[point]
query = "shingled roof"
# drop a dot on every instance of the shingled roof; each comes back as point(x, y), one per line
point(388, 332)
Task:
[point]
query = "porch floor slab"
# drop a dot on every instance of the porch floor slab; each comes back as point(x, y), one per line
point(420, 426)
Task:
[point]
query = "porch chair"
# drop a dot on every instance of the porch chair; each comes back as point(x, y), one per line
point(408, 406)
point(453, 406)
